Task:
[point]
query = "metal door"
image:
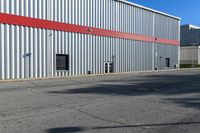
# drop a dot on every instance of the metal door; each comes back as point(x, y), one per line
point(108, 67)
point(27, 65)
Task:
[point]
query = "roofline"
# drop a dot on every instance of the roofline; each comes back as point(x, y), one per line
point(149, 9)
point(191, 25)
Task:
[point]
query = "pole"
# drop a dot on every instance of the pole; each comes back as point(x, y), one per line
point(193, 55)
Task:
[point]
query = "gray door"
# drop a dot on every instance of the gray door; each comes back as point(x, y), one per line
point(27, 57)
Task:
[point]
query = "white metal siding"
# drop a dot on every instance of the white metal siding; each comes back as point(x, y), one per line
point(86, 52)
point(166, 27)
point(106, 14)
point(190, 54)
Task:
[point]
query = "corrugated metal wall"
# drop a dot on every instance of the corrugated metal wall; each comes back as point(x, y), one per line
point(106, 14)
point(166, 51)
point(190, 54)
point(189, 35)
point(30, 52)
point(166, 27)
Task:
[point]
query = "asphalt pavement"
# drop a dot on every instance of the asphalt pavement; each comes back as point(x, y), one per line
point(153, 102)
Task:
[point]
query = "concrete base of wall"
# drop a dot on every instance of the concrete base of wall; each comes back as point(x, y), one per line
point(91, 75)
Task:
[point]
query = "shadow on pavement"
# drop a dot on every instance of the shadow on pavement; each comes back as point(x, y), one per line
point(161, 84)
point(66, 130)
point(167, 85)
point(145, 85)
point(82, 129)
point(187, 102)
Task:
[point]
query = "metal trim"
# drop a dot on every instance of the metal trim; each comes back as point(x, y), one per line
point(149, 9)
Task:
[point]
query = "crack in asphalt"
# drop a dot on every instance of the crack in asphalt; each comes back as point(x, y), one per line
point(27, 112)
point(97, 117)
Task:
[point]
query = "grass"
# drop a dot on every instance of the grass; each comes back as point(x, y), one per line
point(189, 66)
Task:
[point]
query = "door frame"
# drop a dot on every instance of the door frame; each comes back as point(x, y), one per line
point(108, 65)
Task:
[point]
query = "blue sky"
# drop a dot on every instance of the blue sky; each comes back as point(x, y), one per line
point(187, 10)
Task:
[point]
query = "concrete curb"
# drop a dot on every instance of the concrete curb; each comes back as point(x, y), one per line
point(93, 75)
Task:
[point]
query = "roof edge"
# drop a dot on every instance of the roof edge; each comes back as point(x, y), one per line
point(149, 9)
point(191, 26)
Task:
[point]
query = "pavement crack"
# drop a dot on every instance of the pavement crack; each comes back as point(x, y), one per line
point(4, 123)
point(99, 118)
point(36, 84)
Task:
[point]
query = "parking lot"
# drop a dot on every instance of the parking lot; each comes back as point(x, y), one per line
point(152, 102)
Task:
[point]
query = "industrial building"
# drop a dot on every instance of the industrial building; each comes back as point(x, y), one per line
point(190, 35)
point(58, 38)
point(190, 44)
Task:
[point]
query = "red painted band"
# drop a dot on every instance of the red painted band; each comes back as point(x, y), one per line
point(52, 25)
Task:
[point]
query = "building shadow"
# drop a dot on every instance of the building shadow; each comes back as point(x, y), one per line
point(187, 102)
point(169, 85)
point(66, 130)
point(166, 85)
point(82, 129)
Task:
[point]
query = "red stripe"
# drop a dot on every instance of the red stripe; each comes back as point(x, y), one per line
point(51, 25)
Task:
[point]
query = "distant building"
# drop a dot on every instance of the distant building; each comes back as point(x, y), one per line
point(190, 55)
point(190, 34)
point(190, 42)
